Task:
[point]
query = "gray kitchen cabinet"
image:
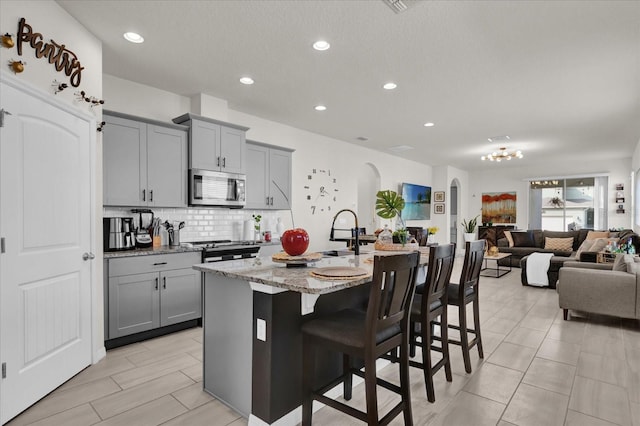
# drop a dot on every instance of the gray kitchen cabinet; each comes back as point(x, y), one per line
point(215, 145)
point(268, 177)
point(144, 162)
point(147, 292)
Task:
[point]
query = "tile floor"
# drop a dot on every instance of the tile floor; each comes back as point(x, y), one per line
point(538, 370)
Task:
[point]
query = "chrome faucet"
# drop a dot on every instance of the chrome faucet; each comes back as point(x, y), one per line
point(356, 249)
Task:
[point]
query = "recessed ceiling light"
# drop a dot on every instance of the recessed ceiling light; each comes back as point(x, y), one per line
point(390, 86)
point(246, 80)
point(321, 45)
point(133, 37)
point(320, 107)
point(429, 124)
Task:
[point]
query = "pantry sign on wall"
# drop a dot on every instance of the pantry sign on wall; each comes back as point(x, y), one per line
point(58, 55)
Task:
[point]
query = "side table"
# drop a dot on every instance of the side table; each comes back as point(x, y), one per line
point(496, 272)
point(605, 257)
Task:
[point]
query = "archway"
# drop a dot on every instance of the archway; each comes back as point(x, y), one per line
point(453, 210)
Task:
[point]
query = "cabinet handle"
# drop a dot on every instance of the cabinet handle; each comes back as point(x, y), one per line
point(267, 200)
point(164, 283)
point(144, 195)
point(156, 283)
point(159, 263)
point(218, 162)
point(271, 201)
point(224, 161)
point(151, 195)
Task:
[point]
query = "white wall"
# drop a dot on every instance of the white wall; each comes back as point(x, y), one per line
point(311, 151)
point(49, 19)
point(497, 178)
point(634, 207)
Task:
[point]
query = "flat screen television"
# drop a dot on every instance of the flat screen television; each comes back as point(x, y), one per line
point(417, 202)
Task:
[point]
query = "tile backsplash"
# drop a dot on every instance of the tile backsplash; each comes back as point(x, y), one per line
point(203, 224)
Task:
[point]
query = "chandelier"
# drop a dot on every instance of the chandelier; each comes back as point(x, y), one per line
point(502, 154)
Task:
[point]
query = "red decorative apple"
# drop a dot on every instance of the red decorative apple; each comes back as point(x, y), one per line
point(295, 241)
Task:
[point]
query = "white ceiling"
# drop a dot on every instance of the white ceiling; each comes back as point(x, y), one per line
point(561, 78)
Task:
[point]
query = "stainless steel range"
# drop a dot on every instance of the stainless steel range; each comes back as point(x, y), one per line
point(221, 250)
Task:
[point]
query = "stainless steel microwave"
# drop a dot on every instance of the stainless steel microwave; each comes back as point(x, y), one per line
point(208, 188)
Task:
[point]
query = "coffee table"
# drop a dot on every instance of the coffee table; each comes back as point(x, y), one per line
point(496, 272)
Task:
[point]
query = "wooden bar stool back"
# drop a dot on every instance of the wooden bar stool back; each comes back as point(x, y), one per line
point(427, 307)
point(366, 336)
point(464, 293)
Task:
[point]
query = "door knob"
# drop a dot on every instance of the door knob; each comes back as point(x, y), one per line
point(88, 256)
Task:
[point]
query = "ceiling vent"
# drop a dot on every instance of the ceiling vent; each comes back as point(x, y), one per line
point(499, 139)
point(400, 148)
point(397, 6)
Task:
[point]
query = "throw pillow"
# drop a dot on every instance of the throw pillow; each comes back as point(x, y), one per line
point(522, 239)
point(585, 246)
point(619, 264)
point(592, 235)
point(507, 235)
point(630, 264)
point(558, 244)
point(599, 244)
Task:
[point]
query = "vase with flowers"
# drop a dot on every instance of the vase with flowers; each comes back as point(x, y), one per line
point(431, 234)
point(257, 218)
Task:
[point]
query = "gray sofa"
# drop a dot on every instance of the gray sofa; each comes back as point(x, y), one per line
point(596, 288)
point(537, 245)
point(520, 254)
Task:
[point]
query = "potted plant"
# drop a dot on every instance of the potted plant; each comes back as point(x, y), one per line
point(470, 228)
point(431, 232)
point(389, 204)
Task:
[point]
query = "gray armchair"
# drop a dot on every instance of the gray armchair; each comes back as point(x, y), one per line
point(596, 288)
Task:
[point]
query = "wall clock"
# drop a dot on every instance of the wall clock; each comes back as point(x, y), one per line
point(321, 190)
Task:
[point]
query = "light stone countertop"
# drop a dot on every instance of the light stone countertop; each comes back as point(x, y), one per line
point(183, 248)
point(263, 270)
point(151, 251)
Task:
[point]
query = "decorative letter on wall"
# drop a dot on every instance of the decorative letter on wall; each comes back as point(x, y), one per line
point(57, 54)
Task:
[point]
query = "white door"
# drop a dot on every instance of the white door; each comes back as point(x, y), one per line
point(45, 220)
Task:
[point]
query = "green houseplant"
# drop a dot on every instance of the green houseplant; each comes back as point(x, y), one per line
point(389, 204)
point(469, 227)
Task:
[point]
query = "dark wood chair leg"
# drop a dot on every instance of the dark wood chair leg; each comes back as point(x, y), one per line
point(370, 382)
point(348, 377)
point(412, 339)
point(426, 361)
point(464, 336)
point(405, 385)
point(565, 314)
point(308, 367)
point(476, 326)
point(444, 336)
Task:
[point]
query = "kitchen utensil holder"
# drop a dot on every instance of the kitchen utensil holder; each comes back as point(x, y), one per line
point(174, 237)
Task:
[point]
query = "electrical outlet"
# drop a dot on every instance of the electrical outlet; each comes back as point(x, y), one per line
point(261, 329)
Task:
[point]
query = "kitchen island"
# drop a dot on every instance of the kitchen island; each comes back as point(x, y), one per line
point(253, 310)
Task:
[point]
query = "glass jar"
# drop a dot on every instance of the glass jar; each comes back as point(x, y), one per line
point(386, 236)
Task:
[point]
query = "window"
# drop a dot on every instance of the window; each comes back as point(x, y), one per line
point(566, 204)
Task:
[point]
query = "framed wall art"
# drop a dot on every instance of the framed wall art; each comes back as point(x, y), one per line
point(499, 207)
point(417, 201)
point(438, 197)
point(438, 208)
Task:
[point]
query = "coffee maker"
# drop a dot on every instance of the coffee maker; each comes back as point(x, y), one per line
point(143, 234)
point(118, 233)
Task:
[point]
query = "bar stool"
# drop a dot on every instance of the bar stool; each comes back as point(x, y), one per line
point(464, 293)
point(366, 336)
point(426, 308)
